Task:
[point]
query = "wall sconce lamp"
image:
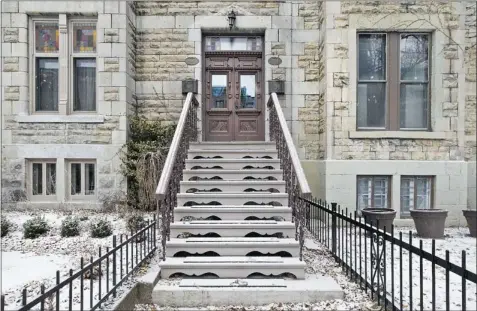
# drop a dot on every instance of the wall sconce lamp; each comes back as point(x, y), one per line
point(232, 16)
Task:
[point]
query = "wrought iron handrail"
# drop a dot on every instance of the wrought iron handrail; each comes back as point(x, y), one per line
point(169, 183)
point(295, 179)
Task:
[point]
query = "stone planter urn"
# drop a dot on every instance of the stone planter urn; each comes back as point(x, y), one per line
point(430, 223)
point(471, 217)
point(385, 216)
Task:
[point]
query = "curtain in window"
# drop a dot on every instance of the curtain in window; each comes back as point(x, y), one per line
point(85, 84)
point(46, 84)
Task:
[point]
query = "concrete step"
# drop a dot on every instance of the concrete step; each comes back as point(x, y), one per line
point(232, 186)
point(232, 267)
point(254, 175)
point(234, 212)
point(232, 154)
point(242, 145)
point(233, 164)
point(198, 293)
point(234, 228)
point(275, 199)
point(233, 247)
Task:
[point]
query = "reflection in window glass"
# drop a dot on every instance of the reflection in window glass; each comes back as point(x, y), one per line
point(89, 178)
point(233, 44)
point(371, 104)
point(414, 57)
point(37, 178)
point(247, 91)
point(84, 38)
point(75, 178)
point(46, 37)
point(46, 92)
point(85, 84)
point(413, 105)
point(50, 178)
point(373, 192)
point(219, 91)
point(372, 57)
point(415, 193)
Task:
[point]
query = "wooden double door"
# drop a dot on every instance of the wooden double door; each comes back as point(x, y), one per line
point(234, 103)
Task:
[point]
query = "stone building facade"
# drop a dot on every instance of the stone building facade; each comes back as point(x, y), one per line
point(145, 49)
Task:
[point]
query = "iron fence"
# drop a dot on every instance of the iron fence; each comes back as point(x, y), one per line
point(399, 275)
point(104, 274)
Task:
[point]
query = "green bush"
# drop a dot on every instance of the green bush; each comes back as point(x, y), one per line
point(35, 227)
point(101, 228)
point(6, 226)
point(135, 223)
point(70, 227)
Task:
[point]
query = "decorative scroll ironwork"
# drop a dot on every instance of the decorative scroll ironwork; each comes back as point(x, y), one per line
point(280, 134)
point(186, 132)
point(377, 264)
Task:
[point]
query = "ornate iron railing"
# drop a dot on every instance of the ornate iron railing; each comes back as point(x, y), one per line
point(169, 183)
point(293, 174)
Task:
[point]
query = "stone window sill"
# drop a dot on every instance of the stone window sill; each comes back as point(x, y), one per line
point(60, 119)
point(397, 134)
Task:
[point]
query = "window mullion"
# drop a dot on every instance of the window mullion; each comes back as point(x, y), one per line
point(393, 82)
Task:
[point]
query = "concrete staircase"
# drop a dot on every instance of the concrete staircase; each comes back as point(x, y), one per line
point(233, 229)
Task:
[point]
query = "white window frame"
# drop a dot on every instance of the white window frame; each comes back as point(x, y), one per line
point(82, 196)
point(29, 184)
point(71, 59)
point(34, 55)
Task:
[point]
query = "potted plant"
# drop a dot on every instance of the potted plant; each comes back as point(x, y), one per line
point(471, 217)
point(430, 223)
point(383, 217)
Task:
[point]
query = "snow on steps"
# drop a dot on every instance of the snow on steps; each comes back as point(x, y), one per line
point(233, 154)
point(233, 164)
point(279, 199)
point(233, 246)
point(226, 175)
point(233, 266)
point(197, 293)
point(233, 186)
point(234, 212)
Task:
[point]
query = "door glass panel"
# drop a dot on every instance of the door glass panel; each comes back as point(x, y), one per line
point(219, 91)
point(247, 91)
point(233, 44)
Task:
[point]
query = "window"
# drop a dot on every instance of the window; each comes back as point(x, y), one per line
point(416, 193)
point(373, 192)
point(393, 81)
point(233, 44)
point(46, 67)
point(82, 179)
point(79, 76)
point(42, 180)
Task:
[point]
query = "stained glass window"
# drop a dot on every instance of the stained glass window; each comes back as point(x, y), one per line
point(46, 37)
point(84, 38)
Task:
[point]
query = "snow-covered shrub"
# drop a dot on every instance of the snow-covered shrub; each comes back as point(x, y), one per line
point(6, 226)
point(101, 228)
point(70, 227)
point(135, 223)
point(35, 227)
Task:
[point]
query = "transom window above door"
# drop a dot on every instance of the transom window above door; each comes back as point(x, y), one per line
point(217, 43)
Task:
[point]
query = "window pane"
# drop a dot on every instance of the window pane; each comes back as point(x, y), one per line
point(46, 84)
point(414, 57)
point(219, 91)
point(371, 104)
point(407, 195)
point(233, 44)
point(380, 192)
point(84, 38)
point(423, 195)
point(247, 91)
point(372, 57)
point(50, 178)
point(46, 37)
point(89, 178)
point(75, 178)
point(85, 84)
point(413, 106)
point(37, 179)
point(364, 192)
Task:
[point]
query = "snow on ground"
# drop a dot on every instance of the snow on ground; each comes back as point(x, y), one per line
point(28, 263)
point(319, 262)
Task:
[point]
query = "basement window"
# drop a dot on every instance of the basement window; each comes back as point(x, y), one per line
point(82, 179)
point(41, 184)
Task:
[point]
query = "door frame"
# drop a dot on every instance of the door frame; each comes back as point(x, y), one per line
point(227, 33)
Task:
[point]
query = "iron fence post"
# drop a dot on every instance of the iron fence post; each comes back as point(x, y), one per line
point(333, 229)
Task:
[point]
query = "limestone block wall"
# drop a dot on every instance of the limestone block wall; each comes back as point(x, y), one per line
point(169, 32)
point(63, 135)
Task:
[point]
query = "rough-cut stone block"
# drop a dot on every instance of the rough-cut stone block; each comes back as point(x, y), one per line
point(340, 79)
point(450, 80)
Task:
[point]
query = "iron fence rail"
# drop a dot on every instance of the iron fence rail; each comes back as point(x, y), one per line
point(375, 259)
point(125, 258)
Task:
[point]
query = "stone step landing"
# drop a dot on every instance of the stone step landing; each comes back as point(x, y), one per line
point(195, 293)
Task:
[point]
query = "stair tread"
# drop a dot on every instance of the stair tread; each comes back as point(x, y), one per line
point(237, 260)
point(240, 223)
point(233, 240)
point(230, 282)
point(232, 208)
point(234, 160)
point(233, 194)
